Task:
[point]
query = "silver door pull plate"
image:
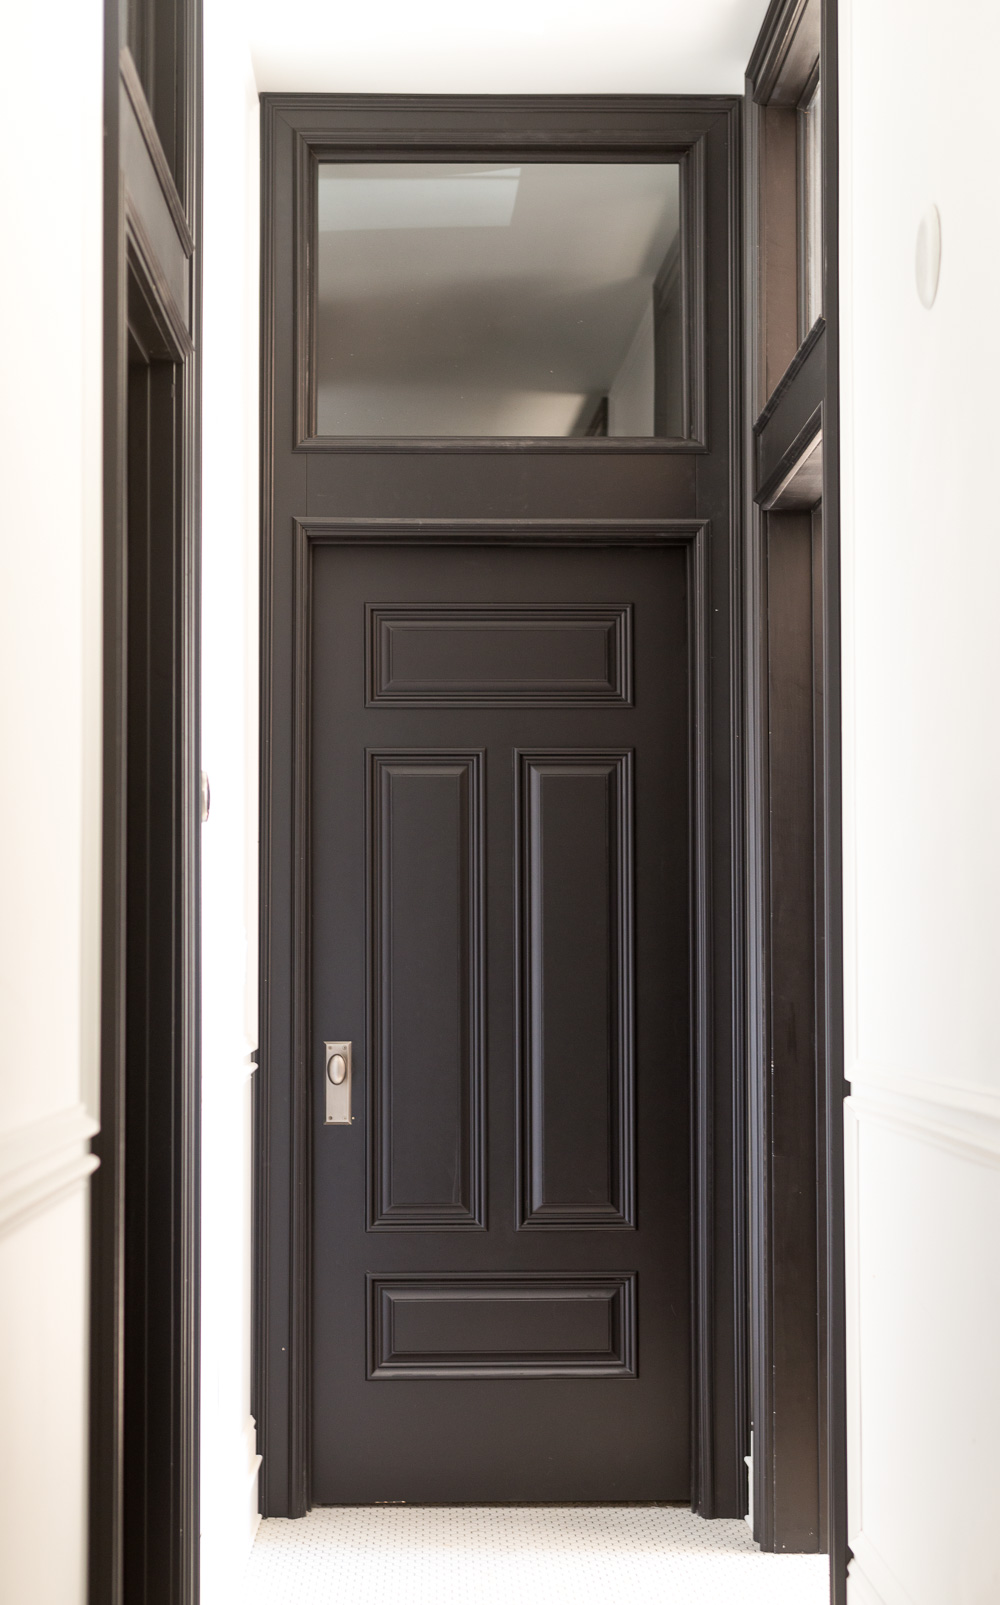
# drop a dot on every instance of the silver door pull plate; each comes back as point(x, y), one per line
point(338, 1083)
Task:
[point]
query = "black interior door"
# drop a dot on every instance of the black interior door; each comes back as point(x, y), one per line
point(500, 888)
point(498, 823)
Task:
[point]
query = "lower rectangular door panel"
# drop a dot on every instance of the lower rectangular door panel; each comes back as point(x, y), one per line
point(541, 1324)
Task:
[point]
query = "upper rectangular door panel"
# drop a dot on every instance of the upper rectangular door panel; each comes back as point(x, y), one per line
point(491, 655)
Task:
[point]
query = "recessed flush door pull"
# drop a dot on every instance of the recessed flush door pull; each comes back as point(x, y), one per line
point(338, 1083)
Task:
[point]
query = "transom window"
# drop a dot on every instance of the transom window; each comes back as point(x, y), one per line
point(499, 299)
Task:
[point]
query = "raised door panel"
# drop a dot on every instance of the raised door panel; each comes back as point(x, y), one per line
point(426, 970)
point(575, 989)
point(535, 1324)
point(498, 655)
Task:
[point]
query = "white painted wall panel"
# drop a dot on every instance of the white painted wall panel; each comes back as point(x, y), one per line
point(50, 543)
point(922, 776)
point(50, 753)
point(925, 1383)
point(43, 1373)
point(924, 547)
point(229, 753)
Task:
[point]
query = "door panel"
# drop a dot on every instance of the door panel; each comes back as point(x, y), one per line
point(535, 1324)
point(573, 861)
point(491, 655)
point(426, 988)
point(537, 883)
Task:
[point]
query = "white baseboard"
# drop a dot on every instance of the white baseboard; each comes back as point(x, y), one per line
point(254, 1517)
point(921, 1195)
point(254, 1462)
point(859, 1589)
point(230, 1521)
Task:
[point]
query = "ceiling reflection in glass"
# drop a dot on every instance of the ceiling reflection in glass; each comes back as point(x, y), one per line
point(472, 299)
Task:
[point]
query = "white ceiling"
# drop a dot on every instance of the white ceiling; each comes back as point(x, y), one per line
point(523, 47)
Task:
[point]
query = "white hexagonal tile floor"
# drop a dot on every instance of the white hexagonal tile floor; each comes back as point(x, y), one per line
point(522, 1555)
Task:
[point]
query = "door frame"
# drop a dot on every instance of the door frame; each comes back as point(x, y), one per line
point(144, 1323)
point(792, 465)
point(704, 133)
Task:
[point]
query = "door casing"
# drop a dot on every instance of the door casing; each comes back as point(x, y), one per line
point(145, 1224)
point(703, 134)
point(794, 873)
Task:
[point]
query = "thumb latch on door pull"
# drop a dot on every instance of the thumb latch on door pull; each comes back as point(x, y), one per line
point(338, 1083)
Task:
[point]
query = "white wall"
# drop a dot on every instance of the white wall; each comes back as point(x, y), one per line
point(922, 786)
point(50, 688)
point(229, 755)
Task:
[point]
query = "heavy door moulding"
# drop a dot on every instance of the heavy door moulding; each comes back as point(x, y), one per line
point(144, 1396)
point(509, 496)
point(794, 943)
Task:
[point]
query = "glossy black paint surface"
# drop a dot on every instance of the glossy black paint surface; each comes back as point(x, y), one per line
point(518, 990)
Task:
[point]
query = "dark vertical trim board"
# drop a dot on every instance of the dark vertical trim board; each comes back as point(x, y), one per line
point(794, 1011)
point(832, 928)
point(144, 1387)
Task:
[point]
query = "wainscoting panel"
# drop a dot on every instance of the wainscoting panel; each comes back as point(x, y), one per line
point(923, 1197)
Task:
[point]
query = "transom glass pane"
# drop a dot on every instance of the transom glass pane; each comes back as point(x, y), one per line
point(810, 214)
point(536, 298)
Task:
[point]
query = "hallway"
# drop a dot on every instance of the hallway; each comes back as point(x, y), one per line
point(499, 673)
point(559, 1554)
